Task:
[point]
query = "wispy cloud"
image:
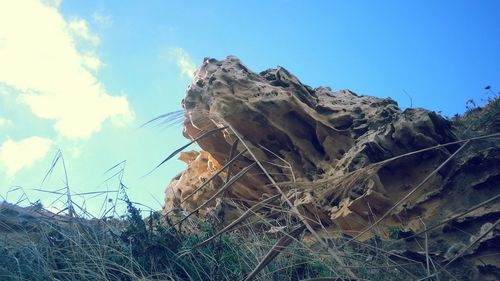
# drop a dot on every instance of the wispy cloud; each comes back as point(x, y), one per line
point(101, 19)
point(51, 63)
point(14, 156)
point(184, 62)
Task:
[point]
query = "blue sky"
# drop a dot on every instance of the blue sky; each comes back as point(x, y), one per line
point(81, 76)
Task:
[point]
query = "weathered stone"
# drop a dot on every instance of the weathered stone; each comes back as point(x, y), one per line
point(322, 135)
point(329, 152)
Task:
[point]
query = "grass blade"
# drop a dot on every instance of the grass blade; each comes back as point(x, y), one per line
point(202, 136)
point(276, 250)
point(248, 213)
point(222, 189)
point(207, 181)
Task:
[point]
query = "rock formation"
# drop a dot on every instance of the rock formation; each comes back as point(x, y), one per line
point(344, 160)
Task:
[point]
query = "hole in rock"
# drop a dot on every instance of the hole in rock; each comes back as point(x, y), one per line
point(300, 128)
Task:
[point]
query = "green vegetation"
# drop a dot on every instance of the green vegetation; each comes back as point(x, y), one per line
point(479, 120)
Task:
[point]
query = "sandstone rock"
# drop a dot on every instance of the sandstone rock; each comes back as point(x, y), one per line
point(322, 135)
point(201, 166)
point(334, 153)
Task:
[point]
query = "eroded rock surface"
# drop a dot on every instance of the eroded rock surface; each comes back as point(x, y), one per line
point(331, 152)
point(201, 166)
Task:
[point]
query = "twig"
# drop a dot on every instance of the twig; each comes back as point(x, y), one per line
point(221, 190)
point(202, 136)
point(292, 206)
point(275, 250)
point(207, 181)
point(429, 176)
point(452, 218)
point(426, 248)
point(248, 213)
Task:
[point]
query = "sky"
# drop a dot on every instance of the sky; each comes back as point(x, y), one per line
point(79, 77)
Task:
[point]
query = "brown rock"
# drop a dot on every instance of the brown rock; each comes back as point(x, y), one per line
point(329, 152)
point(201, 166)
point(322, 135)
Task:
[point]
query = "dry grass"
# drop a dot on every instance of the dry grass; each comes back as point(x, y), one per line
point(37, 244)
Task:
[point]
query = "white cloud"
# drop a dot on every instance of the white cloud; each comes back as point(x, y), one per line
point(18, 155)
point(184, 62)
point(41, 58)
point(80, 29)
point(92, 62)
point(4, 122)
point(54, 3)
